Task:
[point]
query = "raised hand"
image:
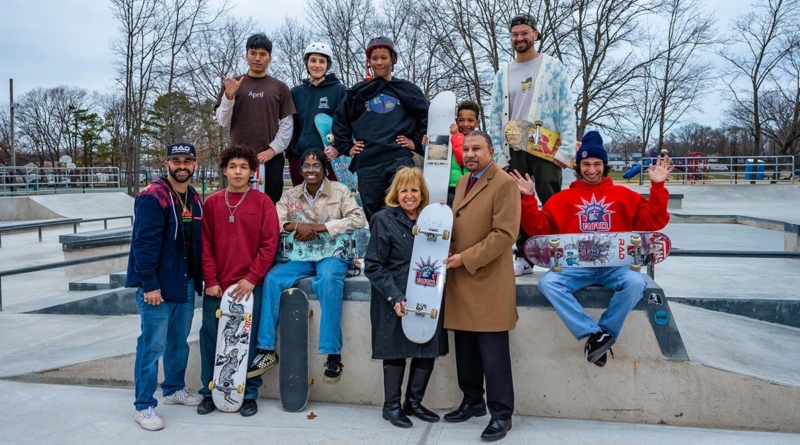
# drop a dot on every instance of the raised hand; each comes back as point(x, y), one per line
point(231, 85)
point(525, 185)
point(453, 129)
point(660, 170)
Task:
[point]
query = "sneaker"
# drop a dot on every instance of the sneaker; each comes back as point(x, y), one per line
point(182, 397)
point(148, 419)
point(262, 362)
point(206, 406)
point(522, 267)
point(597, 345)
point(249, 408)
point(333, 369)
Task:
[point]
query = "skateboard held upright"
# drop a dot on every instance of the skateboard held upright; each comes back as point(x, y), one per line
point(438, 155)
point(233, 346)
point(426, 276)
point(340, 165)
point(294, 380)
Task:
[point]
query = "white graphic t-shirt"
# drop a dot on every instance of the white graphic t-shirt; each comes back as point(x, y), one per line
point(521, 77)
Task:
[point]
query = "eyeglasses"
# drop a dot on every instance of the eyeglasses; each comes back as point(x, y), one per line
point(314, 167)
point(514, 35)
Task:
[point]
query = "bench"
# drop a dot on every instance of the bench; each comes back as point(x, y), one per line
point(93, 243)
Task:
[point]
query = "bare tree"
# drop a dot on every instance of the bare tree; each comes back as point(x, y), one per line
point(44, 118)
point(288, 46)
point(781, 106)
point(758, 42)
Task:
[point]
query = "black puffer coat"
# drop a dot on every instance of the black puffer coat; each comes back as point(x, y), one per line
point(386, 265)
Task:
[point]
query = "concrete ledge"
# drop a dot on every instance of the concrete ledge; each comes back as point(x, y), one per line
point(785, 312)
point(675, 200)
point(96, 238)
point(791, 232)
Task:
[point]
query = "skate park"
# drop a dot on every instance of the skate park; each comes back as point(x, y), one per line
point(725, 374)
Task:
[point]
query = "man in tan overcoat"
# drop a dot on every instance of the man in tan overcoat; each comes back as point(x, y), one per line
point(481, 289)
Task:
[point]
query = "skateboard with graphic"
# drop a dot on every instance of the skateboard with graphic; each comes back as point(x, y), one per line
point(294, 380)
point(257, 181)
point(438, 154)
point(233, 346)
point(533, 138)
point(606, 249)
point(340, 165)
point(426, 274)
point(351, 245)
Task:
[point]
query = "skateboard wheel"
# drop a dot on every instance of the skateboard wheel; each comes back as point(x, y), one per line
point(434, 313)
point(557, 268)
point(247, 316)
point(211, 385)
point(664, 151)
point(636, 240)
point(555, 242)
point(311, 381)
point(310, 313)
point(329, 138)
point(240, 389)
point(445, 234)
point(415, 230)
point(538, 122)
point(219, 313)
point(636, 267)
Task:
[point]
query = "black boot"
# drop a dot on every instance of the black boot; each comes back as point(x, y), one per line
point(392, 384)
point(418, 379)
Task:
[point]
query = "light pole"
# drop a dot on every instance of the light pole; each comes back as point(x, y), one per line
point(11, 118)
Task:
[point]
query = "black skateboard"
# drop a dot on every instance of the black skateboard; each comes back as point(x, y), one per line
point(294, 380)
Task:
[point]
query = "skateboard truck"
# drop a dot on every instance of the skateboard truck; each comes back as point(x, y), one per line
point(431, 234)
point(536, 132)
point(420, 311)
point(554, 243)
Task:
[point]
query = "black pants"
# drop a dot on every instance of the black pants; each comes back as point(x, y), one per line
point(273, 178)
point(546, 179)
point(374, 181)
point(486, 355)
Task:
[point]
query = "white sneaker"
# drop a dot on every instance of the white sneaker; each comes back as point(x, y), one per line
point(521, 267)
point(148, 419)
point(182, 397)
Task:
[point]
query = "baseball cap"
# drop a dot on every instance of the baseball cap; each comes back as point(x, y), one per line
point(524, 19)
point(181, 149)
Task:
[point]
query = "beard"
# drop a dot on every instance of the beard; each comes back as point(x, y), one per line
point(525, 48)
point(174, 174)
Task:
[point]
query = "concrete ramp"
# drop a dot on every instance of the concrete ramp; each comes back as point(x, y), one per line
point(22, 208)
point(87, 205)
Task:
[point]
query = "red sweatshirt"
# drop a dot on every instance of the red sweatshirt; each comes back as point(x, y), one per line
point(243, 248)
point(602, 207)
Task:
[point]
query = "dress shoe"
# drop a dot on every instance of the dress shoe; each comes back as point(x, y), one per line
point(496, 429)
point(464, 412)
point(249, 408)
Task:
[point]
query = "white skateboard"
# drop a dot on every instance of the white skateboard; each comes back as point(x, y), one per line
point(427, 273)
point(233, 346)
point(441, 114)
point(257, 182)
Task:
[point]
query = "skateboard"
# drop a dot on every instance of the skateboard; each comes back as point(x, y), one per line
point(438, 155)
point(533, 138)
point(351, 245)
point(257, 181)
point(340, 165)
point(608, 249)
point(294, 380)
point(233, 346)
point(426, 276)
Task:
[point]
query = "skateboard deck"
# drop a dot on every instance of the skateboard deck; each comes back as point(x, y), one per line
point(352, 245)
point(233, 346)
point(294, 380)
point(438, 155)
point(340, 165)
point(533, 138)
point(608, 249)
point(426, 276)
point(257, 181)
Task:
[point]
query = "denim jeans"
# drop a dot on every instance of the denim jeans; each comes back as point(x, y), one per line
point(164, 331)
point(328, 284)
point(627, 285)
point(208, 344)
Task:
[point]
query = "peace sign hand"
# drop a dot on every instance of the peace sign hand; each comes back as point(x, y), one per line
point(231, 85)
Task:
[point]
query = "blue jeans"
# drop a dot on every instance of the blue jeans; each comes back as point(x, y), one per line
point(627, 285)
point(328, 284)
point(164, 331)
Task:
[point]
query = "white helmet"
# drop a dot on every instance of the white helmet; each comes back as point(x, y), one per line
point(318, 48)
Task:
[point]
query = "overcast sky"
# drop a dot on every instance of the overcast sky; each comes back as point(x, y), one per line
point(47, 43)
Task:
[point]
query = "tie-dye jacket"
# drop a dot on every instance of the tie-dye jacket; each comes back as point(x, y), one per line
point(553, 104)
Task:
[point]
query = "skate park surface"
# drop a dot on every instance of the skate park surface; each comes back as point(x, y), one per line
point(82, 364)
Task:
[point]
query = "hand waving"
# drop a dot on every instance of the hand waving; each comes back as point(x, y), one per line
point(525, 185)
point(660, 170)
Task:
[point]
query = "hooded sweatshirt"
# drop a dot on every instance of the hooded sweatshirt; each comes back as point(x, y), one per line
point(602, 207)
point(376, 112)
point(310, 100)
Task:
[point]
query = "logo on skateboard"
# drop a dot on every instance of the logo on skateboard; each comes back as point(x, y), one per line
point(427, 272)
point(594, 216)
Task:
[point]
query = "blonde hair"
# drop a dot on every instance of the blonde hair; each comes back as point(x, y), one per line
point(407, 176)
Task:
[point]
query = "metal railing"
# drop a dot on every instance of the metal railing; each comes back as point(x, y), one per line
point(58, 265)
point(699, 170)
point(50, 180)
point(74, 221)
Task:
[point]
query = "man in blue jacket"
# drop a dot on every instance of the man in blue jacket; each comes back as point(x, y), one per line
point(165, 266)
point(321, 93)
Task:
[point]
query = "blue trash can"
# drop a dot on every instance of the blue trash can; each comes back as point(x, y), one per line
point(760, 169)
point(748, 169)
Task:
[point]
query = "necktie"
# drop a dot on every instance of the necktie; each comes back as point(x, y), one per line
point(472, 181)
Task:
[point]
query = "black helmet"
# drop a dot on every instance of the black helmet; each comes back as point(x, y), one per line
point(382, 42)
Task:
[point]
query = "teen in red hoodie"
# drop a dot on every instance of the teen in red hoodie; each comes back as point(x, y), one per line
point(593, 204)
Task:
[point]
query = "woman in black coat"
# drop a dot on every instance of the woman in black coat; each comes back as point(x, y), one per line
point(386, 265)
